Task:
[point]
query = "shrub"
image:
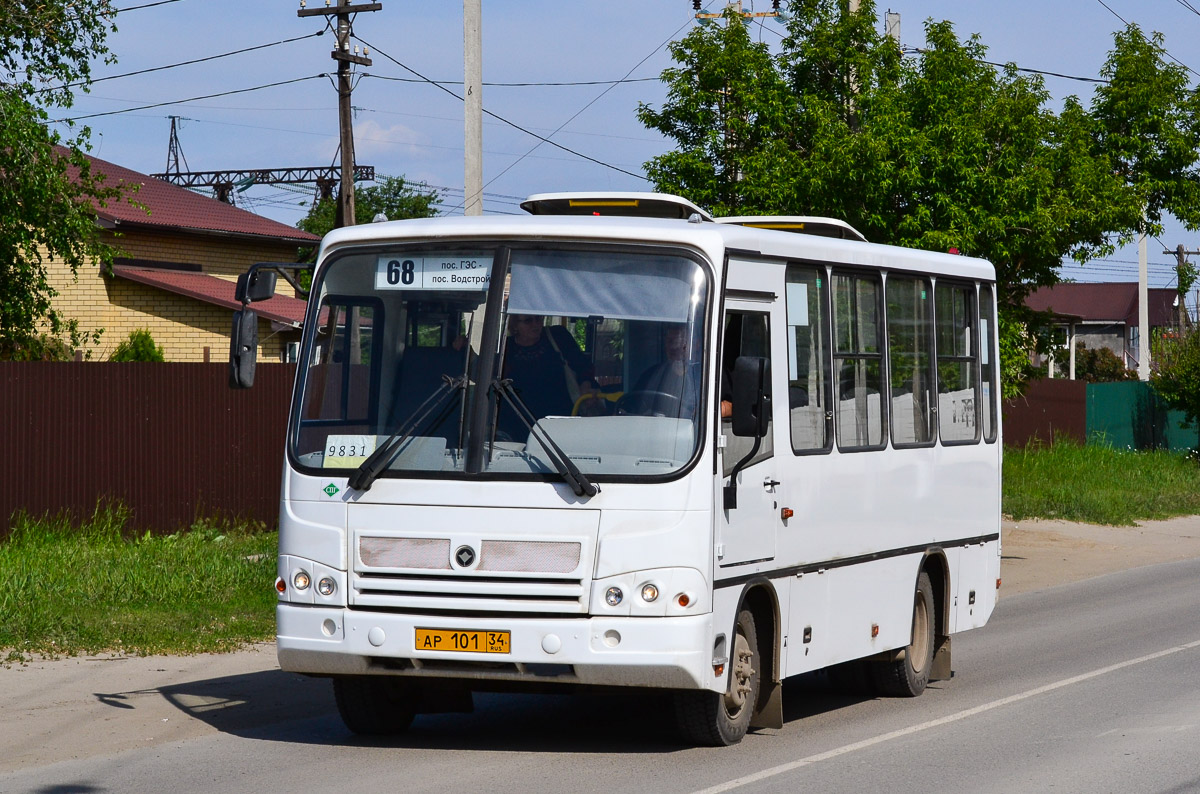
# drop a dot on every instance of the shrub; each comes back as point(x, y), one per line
point(138, 347)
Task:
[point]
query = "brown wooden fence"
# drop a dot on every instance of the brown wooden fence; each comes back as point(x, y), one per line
point(171, 441)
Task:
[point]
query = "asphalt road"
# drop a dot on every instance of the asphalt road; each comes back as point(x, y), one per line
point(1089, 686)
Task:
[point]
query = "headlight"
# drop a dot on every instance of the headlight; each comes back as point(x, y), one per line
point(326, 586)
point(649, 593)
point(301, 581)
point(613, 596)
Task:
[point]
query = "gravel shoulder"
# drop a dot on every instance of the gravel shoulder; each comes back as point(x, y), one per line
point(95, 706)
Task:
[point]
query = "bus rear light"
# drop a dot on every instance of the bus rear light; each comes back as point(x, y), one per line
point(280, 584)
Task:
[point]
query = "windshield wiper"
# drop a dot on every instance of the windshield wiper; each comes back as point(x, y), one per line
point(385, 453)
point(579, 483)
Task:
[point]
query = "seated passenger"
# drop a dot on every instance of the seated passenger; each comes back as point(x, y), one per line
point(672, 387)
point(546, 367)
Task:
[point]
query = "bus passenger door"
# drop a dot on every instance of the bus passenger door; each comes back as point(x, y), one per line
point(747, 532)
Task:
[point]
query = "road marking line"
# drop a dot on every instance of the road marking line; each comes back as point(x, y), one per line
point(961, 715)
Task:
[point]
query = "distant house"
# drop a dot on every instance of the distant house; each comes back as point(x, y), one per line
point(177, 274)
point(1104, 315)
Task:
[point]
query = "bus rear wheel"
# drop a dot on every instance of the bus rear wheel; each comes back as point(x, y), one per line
point(720, 719)
point(909, 675)
point(373, 705)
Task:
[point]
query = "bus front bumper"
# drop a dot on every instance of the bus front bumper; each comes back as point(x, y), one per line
point(664, 652)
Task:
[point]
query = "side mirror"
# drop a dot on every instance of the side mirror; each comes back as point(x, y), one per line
point(751, 396)
point(243, 348)
point(255, 285)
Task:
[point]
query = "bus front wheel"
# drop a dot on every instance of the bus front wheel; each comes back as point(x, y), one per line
point(373, 705)
point(908, 675)
point(721, 718)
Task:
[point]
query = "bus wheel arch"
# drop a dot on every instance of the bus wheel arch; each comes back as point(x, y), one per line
point(938, 570)
point(752, 697)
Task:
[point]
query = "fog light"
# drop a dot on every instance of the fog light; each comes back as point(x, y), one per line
point(613, 596)
point(326, 586)
point(301, 580)
point(649, 592)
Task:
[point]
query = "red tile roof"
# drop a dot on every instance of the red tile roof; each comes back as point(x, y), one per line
point(176, 208)
point(1110, 302)
point(210, 289)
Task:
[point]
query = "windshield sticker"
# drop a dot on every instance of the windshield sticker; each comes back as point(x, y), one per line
point(347, 452)
point(449, 271)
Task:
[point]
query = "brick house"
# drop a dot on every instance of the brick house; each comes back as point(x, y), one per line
point(177, 271)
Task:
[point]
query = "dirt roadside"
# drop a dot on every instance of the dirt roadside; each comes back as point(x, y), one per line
point(95, 706)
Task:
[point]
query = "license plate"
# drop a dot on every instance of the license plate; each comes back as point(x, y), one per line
point(462, 641)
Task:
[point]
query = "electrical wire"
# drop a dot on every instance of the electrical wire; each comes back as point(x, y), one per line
point(501, 118)
point(1165, 52)
point(190, 99)
point(524, 85)
point(181, 63)
point(577, 113)
point(144, 5)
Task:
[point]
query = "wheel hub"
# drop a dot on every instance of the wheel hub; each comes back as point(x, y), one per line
point(742, 673)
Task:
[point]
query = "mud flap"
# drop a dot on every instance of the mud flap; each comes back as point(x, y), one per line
point(771, 713)
point(940, 669)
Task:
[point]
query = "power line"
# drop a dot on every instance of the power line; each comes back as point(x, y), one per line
point(589, 104)
point(500, 118)
point(144, 5)
point(191, 99)
point(521, 85)
point(1164, 49)
point(181, 63)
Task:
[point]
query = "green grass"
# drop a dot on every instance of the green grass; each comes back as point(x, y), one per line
point(1099, 485)
point(68, 589)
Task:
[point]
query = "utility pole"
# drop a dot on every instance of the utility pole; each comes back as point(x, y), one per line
point(473, 107)
point(1182, 268)
point(344, 11)
point(1143, 306)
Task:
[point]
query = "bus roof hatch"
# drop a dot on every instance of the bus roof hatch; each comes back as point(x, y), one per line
point(639, 205)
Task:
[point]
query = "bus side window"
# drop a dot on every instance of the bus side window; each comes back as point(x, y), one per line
point(910, 358)
point(987, 343)
point(858, 361)
point(746, 334)
point(957, 363)
point(808, 359)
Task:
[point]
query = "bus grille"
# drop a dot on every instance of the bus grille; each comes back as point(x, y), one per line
point(530, 576)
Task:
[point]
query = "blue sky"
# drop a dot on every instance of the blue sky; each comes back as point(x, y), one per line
point(416, 130)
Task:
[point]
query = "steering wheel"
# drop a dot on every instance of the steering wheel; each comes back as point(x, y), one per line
point(648, 403)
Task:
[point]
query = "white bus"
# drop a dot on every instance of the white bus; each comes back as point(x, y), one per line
point(588, 449)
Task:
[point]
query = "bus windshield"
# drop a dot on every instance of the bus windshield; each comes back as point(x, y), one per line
point(598, 357)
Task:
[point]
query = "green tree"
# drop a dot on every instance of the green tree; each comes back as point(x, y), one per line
point(1176, 372)
point(48, 193)
point(391, 196)
point(138, 347)
point(938, 151)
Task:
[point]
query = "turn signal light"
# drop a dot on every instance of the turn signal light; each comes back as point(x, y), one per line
point(874, 630)
point(683, 599)
point(997, 584)
point(280, 585)
point(786, 513)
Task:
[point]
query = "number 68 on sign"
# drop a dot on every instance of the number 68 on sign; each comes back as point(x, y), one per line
point(456, 271)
